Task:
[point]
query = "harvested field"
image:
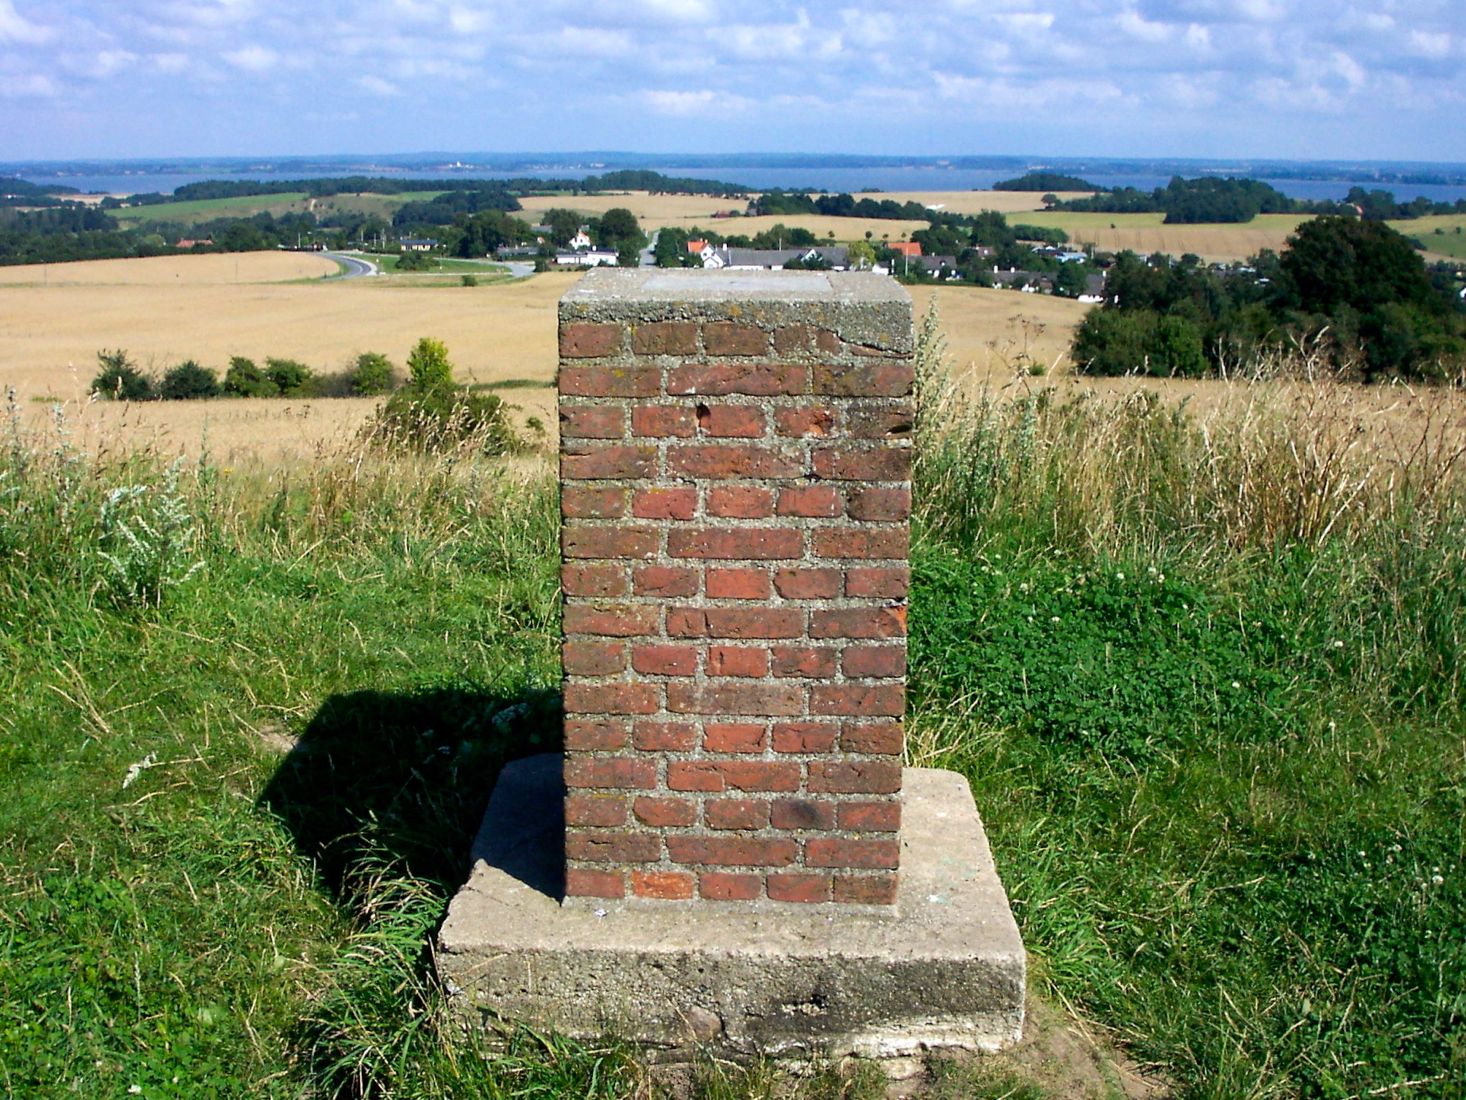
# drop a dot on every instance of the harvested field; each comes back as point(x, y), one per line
point(208, 270)
point(1145, 233)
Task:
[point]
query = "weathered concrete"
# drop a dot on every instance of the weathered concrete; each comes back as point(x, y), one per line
point(944, 970)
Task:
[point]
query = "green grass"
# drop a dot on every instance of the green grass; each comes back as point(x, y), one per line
point(1442, 234)
point(1208, 694)
point(488, 270)
point(203, 210)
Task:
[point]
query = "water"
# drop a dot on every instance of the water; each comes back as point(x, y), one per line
point(916, 176)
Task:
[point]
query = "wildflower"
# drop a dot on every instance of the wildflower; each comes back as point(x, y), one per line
point(1023, 587)
point(1338, 644)
point(1151, 571)
point(1236, 686)
point(1119, 576)
point(1436, 880)
point(1053, 618)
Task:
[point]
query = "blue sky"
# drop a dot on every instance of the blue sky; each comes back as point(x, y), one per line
point(1208, 78)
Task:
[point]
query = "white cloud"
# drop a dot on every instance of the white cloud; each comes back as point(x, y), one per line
point(1434, 46)
point(16, 28)
point(376, 85)
point(29, 86)
point(252, 59)
point(686, 104)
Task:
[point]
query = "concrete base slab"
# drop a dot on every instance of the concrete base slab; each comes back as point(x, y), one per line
point(945, 970)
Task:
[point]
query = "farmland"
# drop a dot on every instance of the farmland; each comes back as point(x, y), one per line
point(194, 211)
point(1443, 235)
point(1144, 233)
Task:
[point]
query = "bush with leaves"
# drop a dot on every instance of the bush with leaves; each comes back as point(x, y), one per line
point(291, 378)
point(372, 374)
point(244, 378)
point(187, 381)
point(119, 379)
point(430, 413)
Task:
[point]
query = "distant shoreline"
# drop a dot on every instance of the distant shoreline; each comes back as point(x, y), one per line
point(1302, 179)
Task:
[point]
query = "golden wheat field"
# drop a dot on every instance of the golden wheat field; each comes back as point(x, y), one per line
point(50, 332)
point(1145, 233)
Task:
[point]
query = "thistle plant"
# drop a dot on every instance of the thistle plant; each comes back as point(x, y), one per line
point(148, 538)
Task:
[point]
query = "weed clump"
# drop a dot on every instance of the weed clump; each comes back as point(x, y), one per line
point(432, 413)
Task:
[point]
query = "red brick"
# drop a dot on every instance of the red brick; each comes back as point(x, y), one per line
point(660, 421)
point(731, 851)
point(859, 622)
point(664, 660)
point(727, 660)
point(736, 543)
point(866, 700)
point(661, 580)
point(754, 622)
point(742, 775)
point(880, 582)
point(665, 885)
point(801, 813)
point(873, 661)
point(732, 421)
point(870, 817)
point(664, 503)
point(880, 504)
point(611, 772)
point(601, 811)
point(804, 737)
point(733, 697)
point(889, 422)
point(805, 420)
point(582, 883)
point(665, 813)
point(814, 502)
point(664, 338)
point(581, 658)
point(733, 737)
point(592, 422)
point(591, 734)
point(610, 381)
point(860, 542)
point(735, 813)
point(612, 698)
point(578, 541)
point(793, 339)
point(804, 661)
point(878, 464)
point(802, 888)
point(721, 379)
point(807, 584)
point(589, 341)
point(723, 886)
point(687, 622)
point(601, 846)
point(719, 461)
point(737, 584)
point(587, 502)
point(732, 338)
point(879, 889)
point(879, 738)
point(854, 777)
point(870, 855)
point(654, 736)
point(893, 379)
point(600, 580)
point(611, 620)
point(741, 502)
point(582, 461)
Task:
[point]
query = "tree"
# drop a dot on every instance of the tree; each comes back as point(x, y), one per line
point(187, 381)
point(563, 224)
point(119, 379)
point(371, 374)
point(618, 229)
point(428, 366)
point(1333, 262)
point(861, 256)
point(245, 379)
point(291, 377)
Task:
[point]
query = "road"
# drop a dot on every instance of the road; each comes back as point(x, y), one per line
point(354, 266)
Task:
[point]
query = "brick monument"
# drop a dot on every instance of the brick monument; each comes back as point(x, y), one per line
point(742, 859)
point(736, 490)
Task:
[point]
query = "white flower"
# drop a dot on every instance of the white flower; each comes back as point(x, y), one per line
point(1436, 880)
point(1338, 644)
point(1053, 618)
point(1238, 687)
point(1119, 576)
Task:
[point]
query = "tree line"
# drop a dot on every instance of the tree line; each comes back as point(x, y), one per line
point(1356, 294)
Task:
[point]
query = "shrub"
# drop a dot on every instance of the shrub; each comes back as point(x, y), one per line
point(373, 373)
point(245, 379)
point(119, 379)
point(291, 378)
point(188, 380)
point(472, 280)
point(417, 261)
point(428, 366)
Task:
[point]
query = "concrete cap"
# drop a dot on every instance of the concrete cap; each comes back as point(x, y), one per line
point(860, 307)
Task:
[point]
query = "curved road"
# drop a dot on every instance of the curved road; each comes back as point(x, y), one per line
point(354, 267)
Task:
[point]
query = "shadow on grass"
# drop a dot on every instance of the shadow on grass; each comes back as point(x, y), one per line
point(396, 783)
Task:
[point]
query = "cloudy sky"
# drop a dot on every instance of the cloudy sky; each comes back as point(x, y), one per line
point(1213, 78)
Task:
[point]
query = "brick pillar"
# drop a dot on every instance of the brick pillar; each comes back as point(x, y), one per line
point(735, 487)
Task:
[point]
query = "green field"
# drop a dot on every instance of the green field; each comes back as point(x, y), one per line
point(294, 202)
point(1442, 234)
point(1209, 687)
